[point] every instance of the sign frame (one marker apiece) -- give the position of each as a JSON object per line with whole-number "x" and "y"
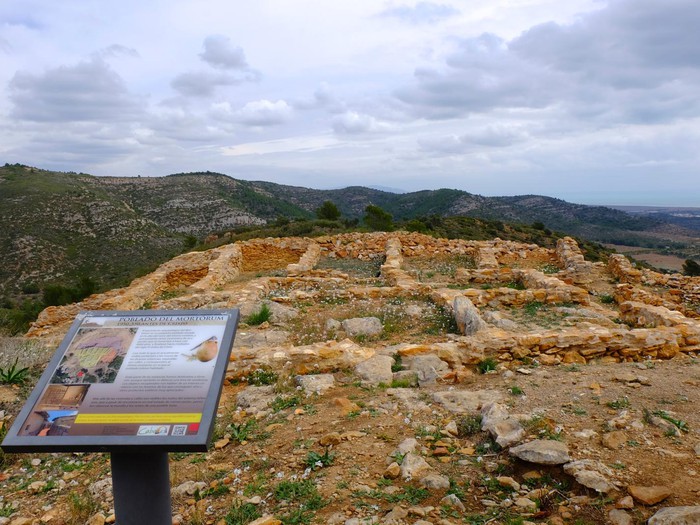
{"x": 198, "y": 442}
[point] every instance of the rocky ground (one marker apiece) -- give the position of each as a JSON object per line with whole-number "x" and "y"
{"x": 400, "y": 379}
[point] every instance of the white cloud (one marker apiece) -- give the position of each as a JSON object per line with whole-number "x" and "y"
{"x": 421, "y": 13}
{"x": 219, "y": 52}
{"x": 256, "y": 113}
{"x": 352, "y": 123}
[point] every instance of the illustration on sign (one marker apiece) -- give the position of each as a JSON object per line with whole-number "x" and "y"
{"x": 131, "y": 375}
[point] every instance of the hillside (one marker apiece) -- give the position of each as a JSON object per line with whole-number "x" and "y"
{"x": 59, "y": 227}
{"x": 402, "y": 379}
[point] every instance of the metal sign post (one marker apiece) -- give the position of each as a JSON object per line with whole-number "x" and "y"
{"x": 141, "y": 487}
{"x": 137, "y": 385}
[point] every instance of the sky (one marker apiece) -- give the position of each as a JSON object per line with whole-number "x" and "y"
{"x": 591, "y": 101}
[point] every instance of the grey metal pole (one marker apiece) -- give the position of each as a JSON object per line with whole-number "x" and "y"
{"x": 141, "y": 486}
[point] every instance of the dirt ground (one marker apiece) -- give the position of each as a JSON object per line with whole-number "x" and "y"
{"x": 262, "y": 458}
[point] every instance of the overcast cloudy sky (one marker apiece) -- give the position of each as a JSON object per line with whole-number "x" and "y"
{"x": 593, "y": 101}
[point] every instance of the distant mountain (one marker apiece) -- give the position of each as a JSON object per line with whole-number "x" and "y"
{"x": 682, "y": 216}
{"x": 59, "y": 227}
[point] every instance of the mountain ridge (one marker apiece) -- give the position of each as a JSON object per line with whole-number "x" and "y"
{"x": 58, "y": 226}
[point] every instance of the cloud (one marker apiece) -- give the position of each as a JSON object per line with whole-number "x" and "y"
{"x": 354, "y": 123}
{"x": 420, "y": 13}
{"x": 323, "y": 98}
{"x": 116, "y": 50}
{"x": 257, "y": 113}
{"x": 634, "y": 61}
{"x": 90, "y": 92}
{"x": 5, "y": 45}
{"x": 220, "y": 53}
{"x": 203, "y": 83}
{"x": 493, "y": 136}
{"x": 481, "y": 75}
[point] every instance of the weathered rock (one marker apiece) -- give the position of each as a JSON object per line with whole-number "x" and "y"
{"x": 406, "y": 446}
{"x": 259, "y": 339}
{"x": 466, "y": 401}
{"x": 393, "y": 471}
{"x": 435, "y": 482}
{"x": 375, "y": 370}
{"x": 256, "y": 398}
{"x": 327, "y": 440}
{"x": 542, "y": 452}
{"x": 451, "y": 500}
{"x": 345, "y": 405}
{"x": 364, "y": 326}
{"x": 396, "y": 516}
{"x": 591, "y": 474}
{"x": 467, "y": 316}
{"x": 505, "y": 429}
{"x": 613, "y": 440}
{"x": 428, "y": 368}
{"x": 649, "y": 495}
{"x": 619, "y": 517}
{"x": 266, "y": 520}
{"x": 409, "y": 377}
{"x": 414, "y": 466}
{"x": 689, "y": 515}
{"x": 188, "y": 488}
{"x": 315, "y": 383}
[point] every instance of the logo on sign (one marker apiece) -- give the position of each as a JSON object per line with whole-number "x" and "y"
{"x": 153, "y": 430}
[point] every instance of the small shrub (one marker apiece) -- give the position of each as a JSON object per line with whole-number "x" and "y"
{"x": 515, "y": 391}
{"x": 241, "y": 432}
{"x": 314, "y": 460}
{"x": 487, "y": 365}
{"x": 260, "y": 316}
{"x": 468, "y": 425}
{"x": 606, "y": 298}
{"x": 242, "y": 514}
{"x": 619, "y": 403}
{"x": 397, "y": 365}
{"x": 81, "y": 507}
{"x": 282, "y": 402}
{"x": 13, "y": 375}
{"x": 262, "y": 377}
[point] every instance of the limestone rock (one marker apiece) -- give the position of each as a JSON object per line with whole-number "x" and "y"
{"x": 649, "y": 495}
{"x": 467, "y": 316}
{"x": 330, "y": 439}
{"x": 189, "y": 488}
{"x": 466, "y": 401}
{"x": 613, "y": 440}
{"x": 256, "y": 398}
{"x": 393, "y": 471}
{"x": 542, "y": 452}
{"x": 414, "y": 466}
{"x": 451, "y": 500}
{"x": 676, "y": 516}
{"x": 619, "y": 517}
{"x": 315, "y": 383}
{"x": 505, "y": 429}
{"x": 428, "y": 368}
{"x": 365, "y": 326}
{"x": 435, "y": 482}
{"x": 591, "y": 474}
{"x": 266, "y": 520}
{"x": 375, "y": 370}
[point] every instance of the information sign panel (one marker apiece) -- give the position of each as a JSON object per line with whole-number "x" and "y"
{"x": 128, "y": 382}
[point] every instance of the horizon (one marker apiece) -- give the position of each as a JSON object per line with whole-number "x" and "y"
{"x": 397, "y": 191}
{"x": 589, "y": 101}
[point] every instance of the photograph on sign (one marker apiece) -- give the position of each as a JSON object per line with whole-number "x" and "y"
{"x": 134, "y": 374}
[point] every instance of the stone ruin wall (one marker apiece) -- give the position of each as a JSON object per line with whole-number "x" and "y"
{"x": 657, "y": 328}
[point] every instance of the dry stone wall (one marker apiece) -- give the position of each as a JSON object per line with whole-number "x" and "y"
{"x": 649, "y": 325}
